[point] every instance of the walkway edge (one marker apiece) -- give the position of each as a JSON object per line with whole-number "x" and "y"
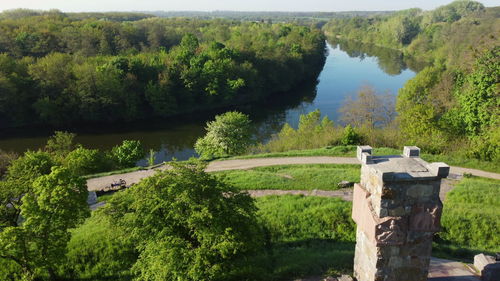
{"x": 100, "y": 183}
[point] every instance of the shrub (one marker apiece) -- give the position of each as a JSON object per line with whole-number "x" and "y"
{"x": 229, "y": 134}
{"x": 312, "y": 132}
{"x": 350, "y": 136}
{"x": 5, "y": 159}
{"x": 60, "y": 144}
{"x": 82, "y": 161}
{"x": 128, "y": 153}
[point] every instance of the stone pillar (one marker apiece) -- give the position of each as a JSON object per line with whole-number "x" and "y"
{"x": 397, "y": 210}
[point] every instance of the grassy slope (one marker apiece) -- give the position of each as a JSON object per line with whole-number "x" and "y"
{"x": 315, "y": 236}
{"x": 350, "y": 151}
{"x": 471, "y": 220}
{"x": 310, "y": 235}
{"x": 290, "y": 177}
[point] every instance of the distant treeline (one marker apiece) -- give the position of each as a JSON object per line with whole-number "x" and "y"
{"x": 454, "y": 103}
{"x": 56, "y": 69}
{"x": 112, "y": 16}
{"x": 271, "y": 16}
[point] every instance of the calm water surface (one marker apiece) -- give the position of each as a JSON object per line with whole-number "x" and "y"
{"x": 349, "y": 66}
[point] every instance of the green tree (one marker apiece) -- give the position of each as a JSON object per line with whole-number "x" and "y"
{"x": 187, "y": 225}
{"x": 37, "y": 244}
{"x": 54, "y": 75}
{"x": 128, "y": 153}
{"x": 30, "y": 166}
{"x": 60, "y": 144}
{"x": 151, "y": 157}
{"x": 82, "y": 161}
{"x": 229, "y": 134}
{"x": 350, "y": 136}
{"x": 5, "y": 159}
{"x": 368, "y": 109}
{"x": 480, "y": 100}
{"x": 18, "y": 181}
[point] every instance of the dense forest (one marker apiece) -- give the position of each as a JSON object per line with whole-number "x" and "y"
{"x": 60, "y": 69}
{"x": 297, "y": 17}
{"x": 453, "y": 104}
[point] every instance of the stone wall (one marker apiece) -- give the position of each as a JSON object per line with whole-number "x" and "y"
{"x": 397, "y": 211}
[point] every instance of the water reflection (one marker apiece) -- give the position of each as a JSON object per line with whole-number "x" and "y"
{"x": 349, "y": 65}
{"x": 391, "y": 61}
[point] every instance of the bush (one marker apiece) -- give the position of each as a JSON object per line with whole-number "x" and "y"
{"x": 5, "y": 159}
{"x": 60, "y": 144}
{"x": 350, "y": 136}
{"x": 128, "y": 153}
{"x": 82, "y": 161}
{"x": 229, "y": 134}
{"x": 312, "y": 132}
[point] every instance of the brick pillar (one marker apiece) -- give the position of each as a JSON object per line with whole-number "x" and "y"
{"x": 397, "y": 210}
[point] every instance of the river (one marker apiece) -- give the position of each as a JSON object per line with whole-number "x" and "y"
{"x": 348, "y": 66}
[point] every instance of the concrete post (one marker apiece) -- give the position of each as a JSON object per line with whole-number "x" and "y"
{"x": 397, "y": 210}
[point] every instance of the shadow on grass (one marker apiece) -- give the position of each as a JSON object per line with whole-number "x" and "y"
{"x": 290, "y": 260}
{"x": 443, "y": 250}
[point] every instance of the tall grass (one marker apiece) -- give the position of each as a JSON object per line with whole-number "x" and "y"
{"x": 471, "y": 219}
{"x": 350, "y": 151}
{"x": 314, "y": 133}
{"x": 309, "y": 235}
{"x": 293, "y": 218}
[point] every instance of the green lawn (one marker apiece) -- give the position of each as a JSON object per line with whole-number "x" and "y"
{"x": 292, "y": 177}
{"x": 350, "y": 151}
{"x": 310, "y": 236}
{"x": 315, "y": 236}
{"x": 471, "y": 220}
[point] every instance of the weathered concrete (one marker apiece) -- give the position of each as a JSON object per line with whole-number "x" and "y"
{"x": 446, "y": 270}
{"x": 92, "y": 198}
{"x": 488, "y": 267}
{"x": 397, "y": 210}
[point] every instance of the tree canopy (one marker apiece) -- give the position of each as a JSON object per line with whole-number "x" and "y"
{"x": 61, "y": 70}
{"x": 229, "y": 134}
{"x": 187, "y": 225}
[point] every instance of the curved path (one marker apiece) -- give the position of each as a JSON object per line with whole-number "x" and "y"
{"x": 101, "y": 183}
{"x": 440, "y": 270}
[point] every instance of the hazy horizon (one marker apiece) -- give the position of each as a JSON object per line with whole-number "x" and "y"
{"x": 225, "y": 5}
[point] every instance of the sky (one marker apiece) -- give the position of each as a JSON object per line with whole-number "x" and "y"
{"x": 232, "y": 5}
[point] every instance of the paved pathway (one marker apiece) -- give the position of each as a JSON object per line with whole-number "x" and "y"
{"x": 102, "y": 183}
{"x": 446, "y": 270}
{"x": 345, "y": 193}
{"x": 440, "y": 270}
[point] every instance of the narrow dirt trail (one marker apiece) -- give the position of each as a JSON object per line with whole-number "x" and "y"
{"x": 98, "y": 184}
